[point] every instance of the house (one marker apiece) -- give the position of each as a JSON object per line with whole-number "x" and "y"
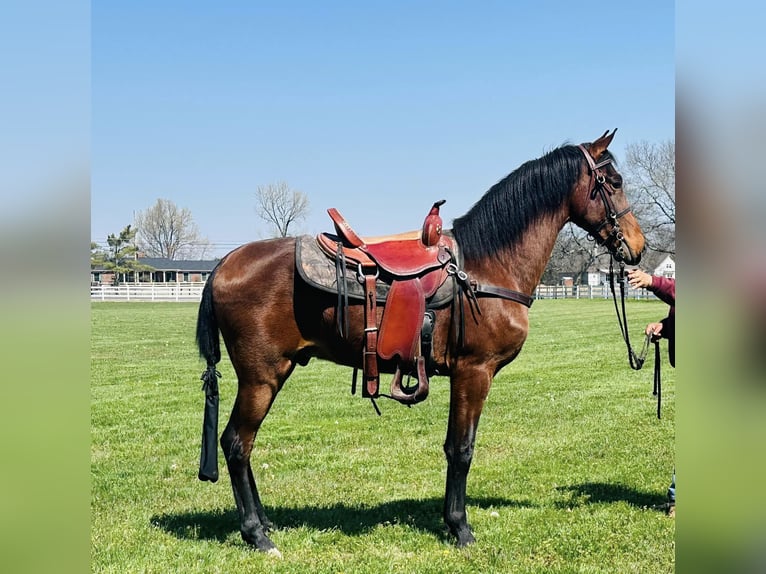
{"x": 665, "y": 268}
{"x": 597, "y": 275}
{"x": 654, "y": 263}
{"x": 162, "y": 271}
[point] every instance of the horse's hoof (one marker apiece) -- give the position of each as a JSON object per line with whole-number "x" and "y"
{"x": 258, "y": 540}
{"x": 465, "y": 538}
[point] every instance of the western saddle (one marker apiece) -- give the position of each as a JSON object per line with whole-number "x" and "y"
{"x": 415, "y": 264}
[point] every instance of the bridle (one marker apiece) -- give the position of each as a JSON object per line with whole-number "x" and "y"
{"x": 599, "y": 185}
{"x": 615, "y": 242}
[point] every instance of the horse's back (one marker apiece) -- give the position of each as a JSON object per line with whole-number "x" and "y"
{"x": 246, "y": 269}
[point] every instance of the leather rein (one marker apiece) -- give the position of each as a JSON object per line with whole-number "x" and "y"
{"x": 636, "y": 360}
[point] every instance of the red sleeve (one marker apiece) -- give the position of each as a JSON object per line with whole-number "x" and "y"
{"x": 664, "y": 288}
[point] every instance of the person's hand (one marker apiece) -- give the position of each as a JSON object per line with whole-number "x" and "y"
{"x": 655, "y": 330}
{"x": 639, "y": 279}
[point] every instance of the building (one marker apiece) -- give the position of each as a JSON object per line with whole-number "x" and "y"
{"x": 665, "y": 268}
{"x": 162, "y": 271}
{"x": 653, "y": 263}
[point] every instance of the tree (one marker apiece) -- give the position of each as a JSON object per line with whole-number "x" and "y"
{"x": 573, "y": 253}
{"x": 120, "y": 255}
{"x": 165, "y": 230}
{"x": 280, "y": 206}
{"x": 650, "y": 177}
{"x": 97, "y": 255}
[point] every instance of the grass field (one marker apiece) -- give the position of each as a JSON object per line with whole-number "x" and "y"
{"x": 569, "y": 458}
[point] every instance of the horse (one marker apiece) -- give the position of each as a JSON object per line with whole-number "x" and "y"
{"x": 271, "y": 321}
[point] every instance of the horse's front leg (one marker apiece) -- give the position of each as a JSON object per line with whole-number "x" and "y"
{"x": 469, "y": 388}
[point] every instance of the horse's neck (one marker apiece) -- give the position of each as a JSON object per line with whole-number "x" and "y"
{"x": 521, "y": 266}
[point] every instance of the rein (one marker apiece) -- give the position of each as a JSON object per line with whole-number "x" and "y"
{"x": 636, "y": 360}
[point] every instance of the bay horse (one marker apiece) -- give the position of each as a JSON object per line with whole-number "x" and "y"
{"x": 272, "y": 321}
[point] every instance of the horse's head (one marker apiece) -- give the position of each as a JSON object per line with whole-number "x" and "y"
{"x": 600, "y": 207}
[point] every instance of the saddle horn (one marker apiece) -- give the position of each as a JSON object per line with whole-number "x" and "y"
{"x": 432, "y": 226}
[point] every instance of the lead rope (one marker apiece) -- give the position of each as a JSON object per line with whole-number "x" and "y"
{"x": 657, "y": 377}
{"x": 636, "y": 360}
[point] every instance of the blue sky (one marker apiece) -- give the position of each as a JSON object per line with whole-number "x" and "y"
{"x": 375, "y": 108}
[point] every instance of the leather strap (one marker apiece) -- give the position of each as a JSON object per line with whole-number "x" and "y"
{"x": 657, "y": 392}
{"x": 370, "y": 359}
{"x": 589, "y": 158}
{"x": 503, "y": 293}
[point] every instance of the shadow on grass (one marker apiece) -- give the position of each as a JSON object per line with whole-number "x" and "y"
{"x": 599, "y": 492}
{"x": 424, "y": 515}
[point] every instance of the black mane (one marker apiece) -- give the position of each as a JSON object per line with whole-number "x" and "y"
{"x": 534, "y": 189}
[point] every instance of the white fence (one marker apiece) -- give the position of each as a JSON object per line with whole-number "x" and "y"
{"x": 147, "y": 292}
{"x": 193, "y": 292}
{"x": 588, "y": 292}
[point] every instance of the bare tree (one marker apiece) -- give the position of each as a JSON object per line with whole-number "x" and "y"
{"x": 280, "y": 206}
{"x": 650, "y": 178}
{"x": 573, "y": 253}
{"x": 165, "y": 230}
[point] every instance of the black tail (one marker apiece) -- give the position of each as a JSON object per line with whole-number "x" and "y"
{"x": 209, "y": 345}
{"x": 208, "y": 341}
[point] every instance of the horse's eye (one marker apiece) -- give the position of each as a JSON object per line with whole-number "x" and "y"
{"x": 617, "y": 181}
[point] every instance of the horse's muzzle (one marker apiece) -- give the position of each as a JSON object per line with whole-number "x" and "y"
{"x": 624, "y": 253}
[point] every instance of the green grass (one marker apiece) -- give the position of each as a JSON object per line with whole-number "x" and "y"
{"x": 569, "y": 458}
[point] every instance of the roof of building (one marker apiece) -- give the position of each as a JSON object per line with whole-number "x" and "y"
{"x": 164, "y": 264}
{"x": 183, "y": 265}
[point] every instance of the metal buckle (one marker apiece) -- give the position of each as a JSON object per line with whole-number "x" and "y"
{"x": 360, "y": 274}
{"x": 453, "y": 269}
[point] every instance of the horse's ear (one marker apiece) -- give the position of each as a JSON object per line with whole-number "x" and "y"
{"x": 599, "y": 146}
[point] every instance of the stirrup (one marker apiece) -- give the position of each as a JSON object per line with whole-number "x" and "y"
{"x": 413, "y": 394}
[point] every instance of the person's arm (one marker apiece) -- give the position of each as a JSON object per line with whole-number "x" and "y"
{"x": 665, "y": 289}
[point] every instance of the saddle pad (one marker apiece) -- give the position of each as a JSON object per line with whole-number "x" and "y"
{"x": 318, "y": 270}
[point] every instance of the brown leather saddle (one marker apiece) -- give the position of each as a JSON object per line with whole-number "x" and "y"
{"x": 415, "y": 264}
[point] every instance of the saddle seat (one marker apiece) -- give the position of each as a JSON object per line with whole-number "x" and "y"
{"x": 415, "y": 264}
{"x": 400, "y": 255}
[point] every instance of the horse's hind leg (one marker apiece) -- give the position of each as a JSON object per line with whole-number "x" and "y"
{"x": 265, "y": 522}
{"x": 250, "y": 408}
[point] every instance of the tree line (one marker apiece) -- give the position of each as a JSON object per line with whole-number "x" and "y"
{"x": 168, "y": 231}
